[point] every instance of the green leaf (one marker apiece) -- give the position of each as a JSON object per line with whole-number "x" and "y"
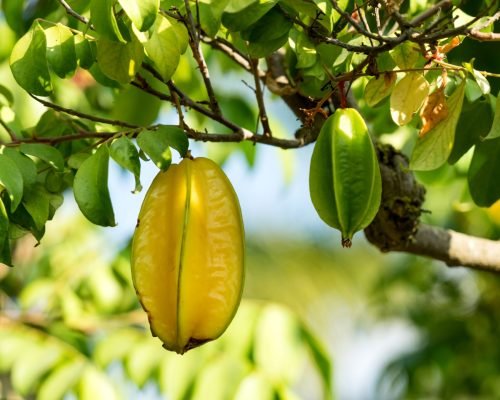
{"x": 51, "y": 124}
{"x": 473, "y": 125}
{"x": 177, "y": 375}
{"x": 241, "y": 14}
{"x": 84, "y": 51}
{"x": 483, "y": 173}
{"x": 120, "y": 61}
{"x": 407, "y": 97}
{"x": 91, "y": 189}
{"x": 273, "y": 25}
{"x": 175, "y": 137}
{"x": 136, "y": 107}
{"x": 255, "y": 386}
{"x": 36, "y": 201}
{"x": 11, "y": 346}
{"x": 142, "y": 13}
{"x": 28, "y": 62}
{"x": 123, "y": 151}
{"x": 156, "y": 144}
{"x": 44, "y": 152}
{"x": 210, "y": 13}
{"x": 321, "y": 360}
{"x": 6, "y": 97}
{"x": 4, "y": 236}
{"x": 25, "y": 165}
{"x": 168, "y": 41}
{"x": 263, "y": 49}
{"x": 61, "y": 53}
{"x": 483, "y": 83}
{"x": 61, "y": 380}
{"x": 13, "y": 13}
{"x": 31, "y": 365}
{"x": 432, "y": 150}
{"x": 405, "y": 55}
{"x": 378, "y": 88}
{"x": 77, "y": 159}
{"x": 472, "y": 90}
{"x": 304, "y": 49}
{"x": 95, "y": 385}
{"x": 143, "y": 360}
{"x": 495, "y": 128}
{"x": 103, "y": 18}
{"x": 156, "y": 148}
{"x": 221, "y": 377}
{"x": 279, "y": 355}
{"x": 115, "y": 346}
{"x": 99, "y": 76}
{"x": 11, "y": 179}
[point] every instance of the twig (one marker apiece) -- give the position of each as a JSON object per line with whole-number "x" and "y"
{"x": 232, "y": 52}
{"x": 259, "y": 95}
{"x": 194, "y": 43}
{"x": 245, "y": 134}
{"x": 83, "y": 115}
{"x": 358, "y": 27}
{"x": 73, "y": 13}
{"x": 475, "y": 33}
{"x": 9, "y": 131}
{"x": 175, "y": 100}
{"x": 65, "y": 138}
{"x": 419, "y": 19}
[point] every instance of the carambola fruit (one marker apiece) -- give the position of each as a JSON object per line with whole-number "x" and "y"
{"x": 344, "y": 177}
{"x": 188, "y": 254}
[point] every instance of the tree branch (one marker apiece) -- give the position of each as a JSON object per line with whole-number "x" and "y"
{"x": 454, "y": 248}
{"x": 194, "y": 42}
{"x": 396, "y": 227}
{"x": 425, "y": 15}
{"x": 259, "y": 95}
{"x": 11, "y": 133}
{"x": 73, "y": 13}
{"x": 79, "y": 114}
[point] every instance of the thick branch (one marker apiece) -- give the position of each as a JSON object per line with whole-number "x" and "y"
{"x": 397, "y": 227}
{"x": 454, "y": 248}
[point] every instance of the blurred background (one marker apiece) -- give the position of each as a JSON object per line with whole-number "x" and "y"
{"x": 316, "y": 321}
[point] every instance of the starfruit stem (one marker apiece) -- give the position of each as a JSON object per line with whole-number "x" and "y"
{"x": 346, "y": 242}
{"x": 189, "y": 155}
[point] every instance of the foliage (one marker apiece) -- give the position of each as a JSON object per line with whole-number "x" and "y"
{"x": 72, "y": 324}
{"x": 107, "y": 67}
{"x": 87, "y": 82}
{"x": 457, "y": 317}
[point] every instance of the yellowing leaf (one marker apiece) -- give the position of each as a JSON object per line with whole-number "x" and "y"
{"x": 433, "y": 111}
{"x": 378, "y": 88}
{"x": 405, "y": 55}
{"x": 432, "y": 150}
{"x": 407, "y": 97}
